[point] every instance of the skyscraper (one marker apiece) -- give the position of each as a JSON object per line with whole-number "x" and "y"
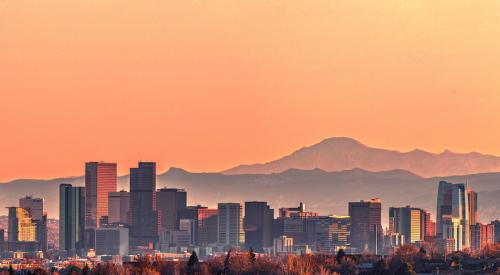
{"x": 100, "y": 179}
{"x": 453, "y": 213}
{"x": 230, "y": 224}
{"x": 143, "y": 214}
{"x": 71, "y": 219}
{"x": 258, "y": 225}
{"x": 366, "y": 227}
{"x": 169, "y": 201}
{"x": 118, "y": 207}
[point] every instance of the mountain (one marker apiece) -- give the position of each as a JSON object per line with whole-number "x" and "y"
{"x": 342, "y": 153}
{"x": 321, "y": 191}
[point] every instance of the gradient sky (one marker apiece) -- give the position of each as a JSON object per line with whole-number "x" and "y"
{"x": 206, "y": 85}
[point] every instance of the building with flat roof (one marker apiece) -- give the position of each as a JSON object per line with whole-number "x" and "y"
{"x": 100, "y": 179}
{"x": 366, "y": 226}
{"x": 230, "y": 224}
{"x": 112, "y": 240}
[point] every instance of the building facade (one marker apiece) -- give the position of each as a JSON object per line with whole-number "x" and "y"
{"x": 258, "y": 225}
{"x": 71, "y": 219}
{"x": 366, "y": 226}
{"x": 169, "y": 202}
{"x": 118, "y": 207}
{"x": 230, "y": 224}
{"x": 143, "y": 214}
{"x": 100, "y": 179}
{"x": 112, "y": 240}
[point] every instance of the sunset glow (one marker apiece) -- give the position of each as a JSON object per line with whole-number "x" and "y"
{"x": 207, "y": 85}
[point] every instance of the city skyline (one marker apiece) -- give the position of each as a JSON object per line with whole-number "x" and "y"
{"x": 209, "y": 80}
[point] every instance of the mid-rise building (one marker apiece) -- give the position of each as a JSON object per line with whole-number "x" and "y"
{"x": 282, "y": 245}
{"x": 332, "y": 233}
{"x": 21, "y": 226}
{"x": 258, "y": 225}
{"x": 206, "y": 223}
{"x": 481, "y": 236}
{"x": 112, "y": 240}
{"x": 366, "y": 226}
{"x": 100, "y": 179}
{"x": 169, "y": 202}
{"x": 296, "y": 223}
{"x": 408, "y": 222}
{"x": 118, "y": 207}
{"x": 496, "y": 231}
{"x": 230, "y": 224}
{"x": 3, "y": 245}
{"x": 143, "y": 214}
{"x": 71, "y": 219}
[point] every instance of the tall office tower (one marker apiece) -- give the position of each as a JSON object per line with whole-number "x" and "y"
{"x": 118, "y": 207}
{"x": 453, "y": 207}
{"x": 230, "y": 224}
{"x": 258, "y": 225}
{"x": 33, "y": 205}
{"x": 143, "y": 214}
{"x": 169, "y": 201}
{"x": 100, "y": 179}
{"x": 21, "y": 226}
{"x": 366, "y": 226}
{"x": 472, "y": 196}
{"x": 71, "y": 219}
{"x": 407, "y": 221}
{"x": 332, "y": 233}
{"x": 481, "y": 235}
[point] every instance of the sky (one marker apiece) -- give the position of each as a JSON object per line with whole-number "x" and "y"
{"x": 207, "y": 85}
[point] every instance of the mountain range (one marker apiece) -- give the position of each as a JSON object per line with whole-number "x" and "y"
{"x": 342, "y": 153}
{"x": 324, "y": 188}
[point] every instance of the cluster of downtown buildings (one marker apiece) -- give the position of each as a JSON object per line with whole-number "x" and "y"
{"x": 98, "y": 220}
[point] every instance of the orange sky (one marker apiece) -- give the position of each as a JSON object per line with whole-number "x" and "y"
{"x": 206, "y": 85}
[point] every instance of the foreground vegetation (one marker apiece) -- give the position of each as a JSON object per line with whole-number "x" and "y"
{"x": 407, "y": 260}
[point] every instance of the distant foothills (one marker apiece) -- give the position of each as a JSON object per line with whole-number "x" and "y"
{"x": 325, "y": 176}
